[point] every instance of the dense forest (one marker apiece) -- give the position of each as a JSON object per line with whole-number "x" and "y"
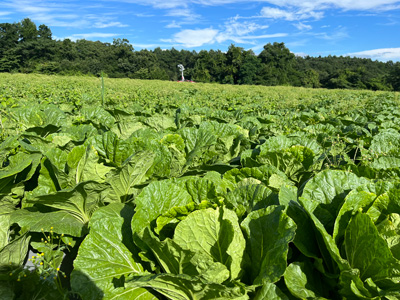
{"x": 26, "y": 48}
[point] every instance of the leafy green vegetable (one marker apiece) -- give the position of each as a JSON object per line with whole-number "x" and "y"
{"x": 268, "y": 233}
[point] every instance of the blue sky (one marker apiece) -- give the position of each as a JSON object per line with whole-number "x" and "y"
{"x": 364, "y": 28}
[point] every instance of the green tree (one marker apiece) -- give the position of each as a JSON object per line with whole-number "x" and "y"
{"x": 249, "y": 68}
{"x": 394, "y": 76}
{"x": 234, "y": 61}
{"x": 28, "y": 30}
{"x": 44, "y": 32}
{"x": 278, "y": 65}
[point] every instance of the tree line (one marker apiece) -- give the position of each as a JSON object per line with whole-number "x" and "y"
{"x": 26, "y": 48}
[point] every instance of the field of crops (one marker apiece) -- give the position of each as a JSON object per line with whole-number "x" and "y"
{"x": 186, "y": 191}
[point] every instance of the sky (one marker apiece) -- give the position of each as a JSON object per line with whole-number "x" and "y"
{"x": 362, "y": 28}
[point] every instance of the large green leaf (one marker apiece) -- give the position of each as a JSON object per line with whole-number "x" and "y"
{"x": 247, "y": 198}
{"x": 53, "y": 176}
{"x": 304, "y": 282}
{"x": 8, "y": 174}
{"x": 297, "y": 161}
{"x": 83, "y": 163}
{"x": 389, "y": 229}
{"x": 155, "y": 199}
{"x": 271, "y": 292}
{"x": 15, "y": 252}
{"x": 197, "y": 142}
{"x": 328, "y": 189}
{"x": 98, "y": 116}
{"x": 386, "y": 142}
{"x": 174, "y": 259}
{"x": 354, "y": 201}
{"x": 332, "y": 259}
{"x": 103, "y": 257}
{"x": 133, "y": 172}
{"x": 80, "y": 202}
{"x": 4, "y": 229}
{"x": 112, "y": 148}
{"x": 215, "y": 233}
{"x": 367, "y": 251}
{"x": 268, "y": 233}
{"x": 183, "y": 287}
{"x": 199, "y": 188}
{"x": 266, "y": 174}
{"x": 61, "y": 221}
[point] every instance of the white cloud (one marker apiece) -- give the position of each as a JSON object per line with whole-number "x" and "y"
{"x": 290, "y": 15}
{"x": 342, "y": 4}
{"x": 4, "y": 13}
{"x": 384, "y": 54}
{"x": 339, "y": 33}
{"x": 195, "y": 38}
{"x": 302, "y": 27}
{"x": 276, "y": 13}
{"x": 232, "y": 30}
{"x": 109, "y": 24}
{"x": 173, "y": 24}
{"x": 92, "y": 35}
{"x": 235, "y": 28}
{"x": 307, "y": 5}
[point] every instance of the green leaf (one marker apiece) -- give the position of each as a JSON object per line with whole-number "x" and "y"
{"x": 167, "y": 222}
{"x": 4, "y": 229}
{"x": 266, "y": 174}
{"x": 304, "y": 282}
{"x": 61, "y": 221}
{"x": 176, "y": 260}
{"x": 354, "y": 201}
{"x": 367, "y": 251}
{"x": 332, "y": 259}
{"x": 161, "y": 122}
{"x": 53, "y": 176}
{"x": 389, "y": 229}
{"x": 182, "y": 287}
{"x": 328, "y": 190}
{"x": 250, "y": 197}
{"x": 15, "y": 252}
{"x": 8, "y": 174}
{"x": 386, "y": 142}
{"x": 112, "y": 148}
{"x": 271, "y": 292}
{"x": 287, "y": 194}
{"x": 155, "y": 199}
{"x": 129, "y": 293}
{"x": 80, "y": 202}
{"x": 268, "y": 233}
{"x": 385, "y": 204}
{"x": 199, "y": 188}
{"x": 133, "y": 172}
{"x": 98, "y": 116}
{"x": 215, "y": 233}
{"x": 89, "y": 168}
{"x": 103, "y": 257}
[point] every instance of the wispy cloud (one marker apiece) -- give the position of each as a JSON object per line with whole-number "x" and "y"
{"x": 290, "y": 15}
{"x": 232, "y": 30}
{"x": 310, "y": 5}
{"x": 195, "y": 38}
{"x": 339, "y": 33}
{"x": 92, "y": 35}
{"x": 302, "y": 27}
{"x": 62, "y": 13}
{"x": 109, "y": 24}
{"x": 305, "y": 5}
{"x": 4, "y": 13}
{"x": 173, "y": 24}
{"x": 384, "y": 54}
